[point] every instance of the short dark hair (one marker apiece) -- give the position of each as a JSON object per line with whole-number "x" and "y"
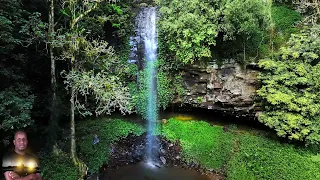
{"x": 17, "y": 131}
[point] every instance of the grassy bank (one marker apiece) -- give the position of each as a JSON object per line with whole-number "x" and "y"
{"x": 201, "y": 143}
{"x": 58, "y": 166}
{"x": 108, "y": 131}
{"x": 261, "y": 158}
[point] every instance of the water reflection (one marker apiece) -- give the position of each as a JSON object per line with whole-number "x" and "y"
{"x": 146, "y": 171}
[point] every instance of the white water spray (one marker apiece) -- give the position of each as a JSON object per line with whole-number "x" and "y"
{"x": 147, "y": 37}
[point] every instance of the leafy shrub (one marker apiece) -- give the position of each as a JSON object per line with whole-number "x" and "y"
{"x": 285, "y": 19}
{"x": 16, "y": 104}
{"x": 60, "y": 166}
{"x": 290, "y": 88}
{"x": 232, "y": 127}
{"x": 202, "y": 143}
{"x": 262, "y": 158}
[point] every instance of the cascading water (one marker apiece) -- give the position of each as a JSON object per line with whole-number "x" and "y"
{"x": 144, "y": 51}
{"x": 144, "y": 54}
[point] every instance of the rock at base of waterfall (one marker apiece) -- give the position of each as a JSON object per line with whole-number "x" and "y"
{"x": 162, "y": 151}
{"x": 163, "y": 160}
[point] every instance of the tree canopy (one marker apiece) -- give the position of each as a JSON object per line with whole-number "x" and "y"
{"x": 16, "y": 98}
{"x": 190, "y": 29}
{"x": 290, "y": 88}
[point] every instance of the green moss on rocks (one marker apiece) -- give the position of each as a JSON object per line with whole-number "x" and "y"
{"x": 201, "y": 142}
{"x": 108, "y": 131}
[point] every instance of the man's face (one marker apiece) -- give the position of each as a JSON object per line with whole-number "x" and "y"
{"x": 20, "y": 141}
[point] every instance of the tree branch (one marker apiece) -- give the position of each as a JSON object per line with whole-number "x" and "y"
{"x": 76, "y": 20}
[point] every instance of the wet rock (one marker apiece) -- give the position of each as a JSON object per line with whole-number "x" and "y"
{"x": 162, "y": 151}
{"x": 164, "y": 121}
{"x": 93, "y": 177}
{"x": 225, "y": 128}
{"x": 163, "y": 160}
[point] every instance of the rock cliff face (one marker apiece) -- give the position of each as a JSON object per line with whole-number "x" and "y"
{"x": 228, "y": 88}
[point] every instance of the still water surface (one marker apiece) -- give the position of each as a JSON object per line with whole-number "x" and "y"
{"x": 143, "y": 171}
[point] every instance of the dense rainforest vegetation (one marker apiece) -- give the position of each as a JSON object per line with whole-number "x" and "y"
{"x": 66, "y": 60}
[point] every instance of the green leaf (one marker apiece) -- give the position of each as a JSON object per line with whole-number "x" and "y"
{"x": 66, "y": 12}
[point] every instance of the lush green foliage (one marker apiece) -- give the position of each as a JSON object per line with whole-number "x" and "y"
{"x": 96, "y": 69}
{"x": 190, "y": 28}
{"x": 202, "y": 143}
{"x": 109, "y": 21}
{"x": 244, "y": 18}
{"x": 261, "y": 158}
{"x": 58, "y": 166}
{"x": 15, "y": 108}
{"x": 11, "y": 16}
{"x": 190, "y": 31}
{"x": 108, "y": 91}
{"x": 108, "y": 132}
{"x": 284, "y": 20}
{"x": 16, "y": 98}
{"x": 290, "y": 89}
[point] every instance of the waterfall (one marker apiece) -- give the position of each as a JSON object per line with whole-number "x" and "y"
{"x": 144, "y": 52}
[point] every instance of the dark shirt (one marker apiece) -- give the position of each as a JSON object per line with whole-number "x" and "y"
{"x": 23, "y": 165}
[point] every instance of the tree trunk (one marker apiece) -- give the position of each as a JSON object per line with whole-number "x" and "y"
{"x": 53, "y": 124}
{"x": 72, "y": 123}
{"x": 73, "y": 24}
{"x": 72, "y": 128}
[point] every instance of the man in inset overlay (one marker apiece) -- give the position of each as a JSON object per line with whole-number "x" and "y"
{"x": 18, "y": 164}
